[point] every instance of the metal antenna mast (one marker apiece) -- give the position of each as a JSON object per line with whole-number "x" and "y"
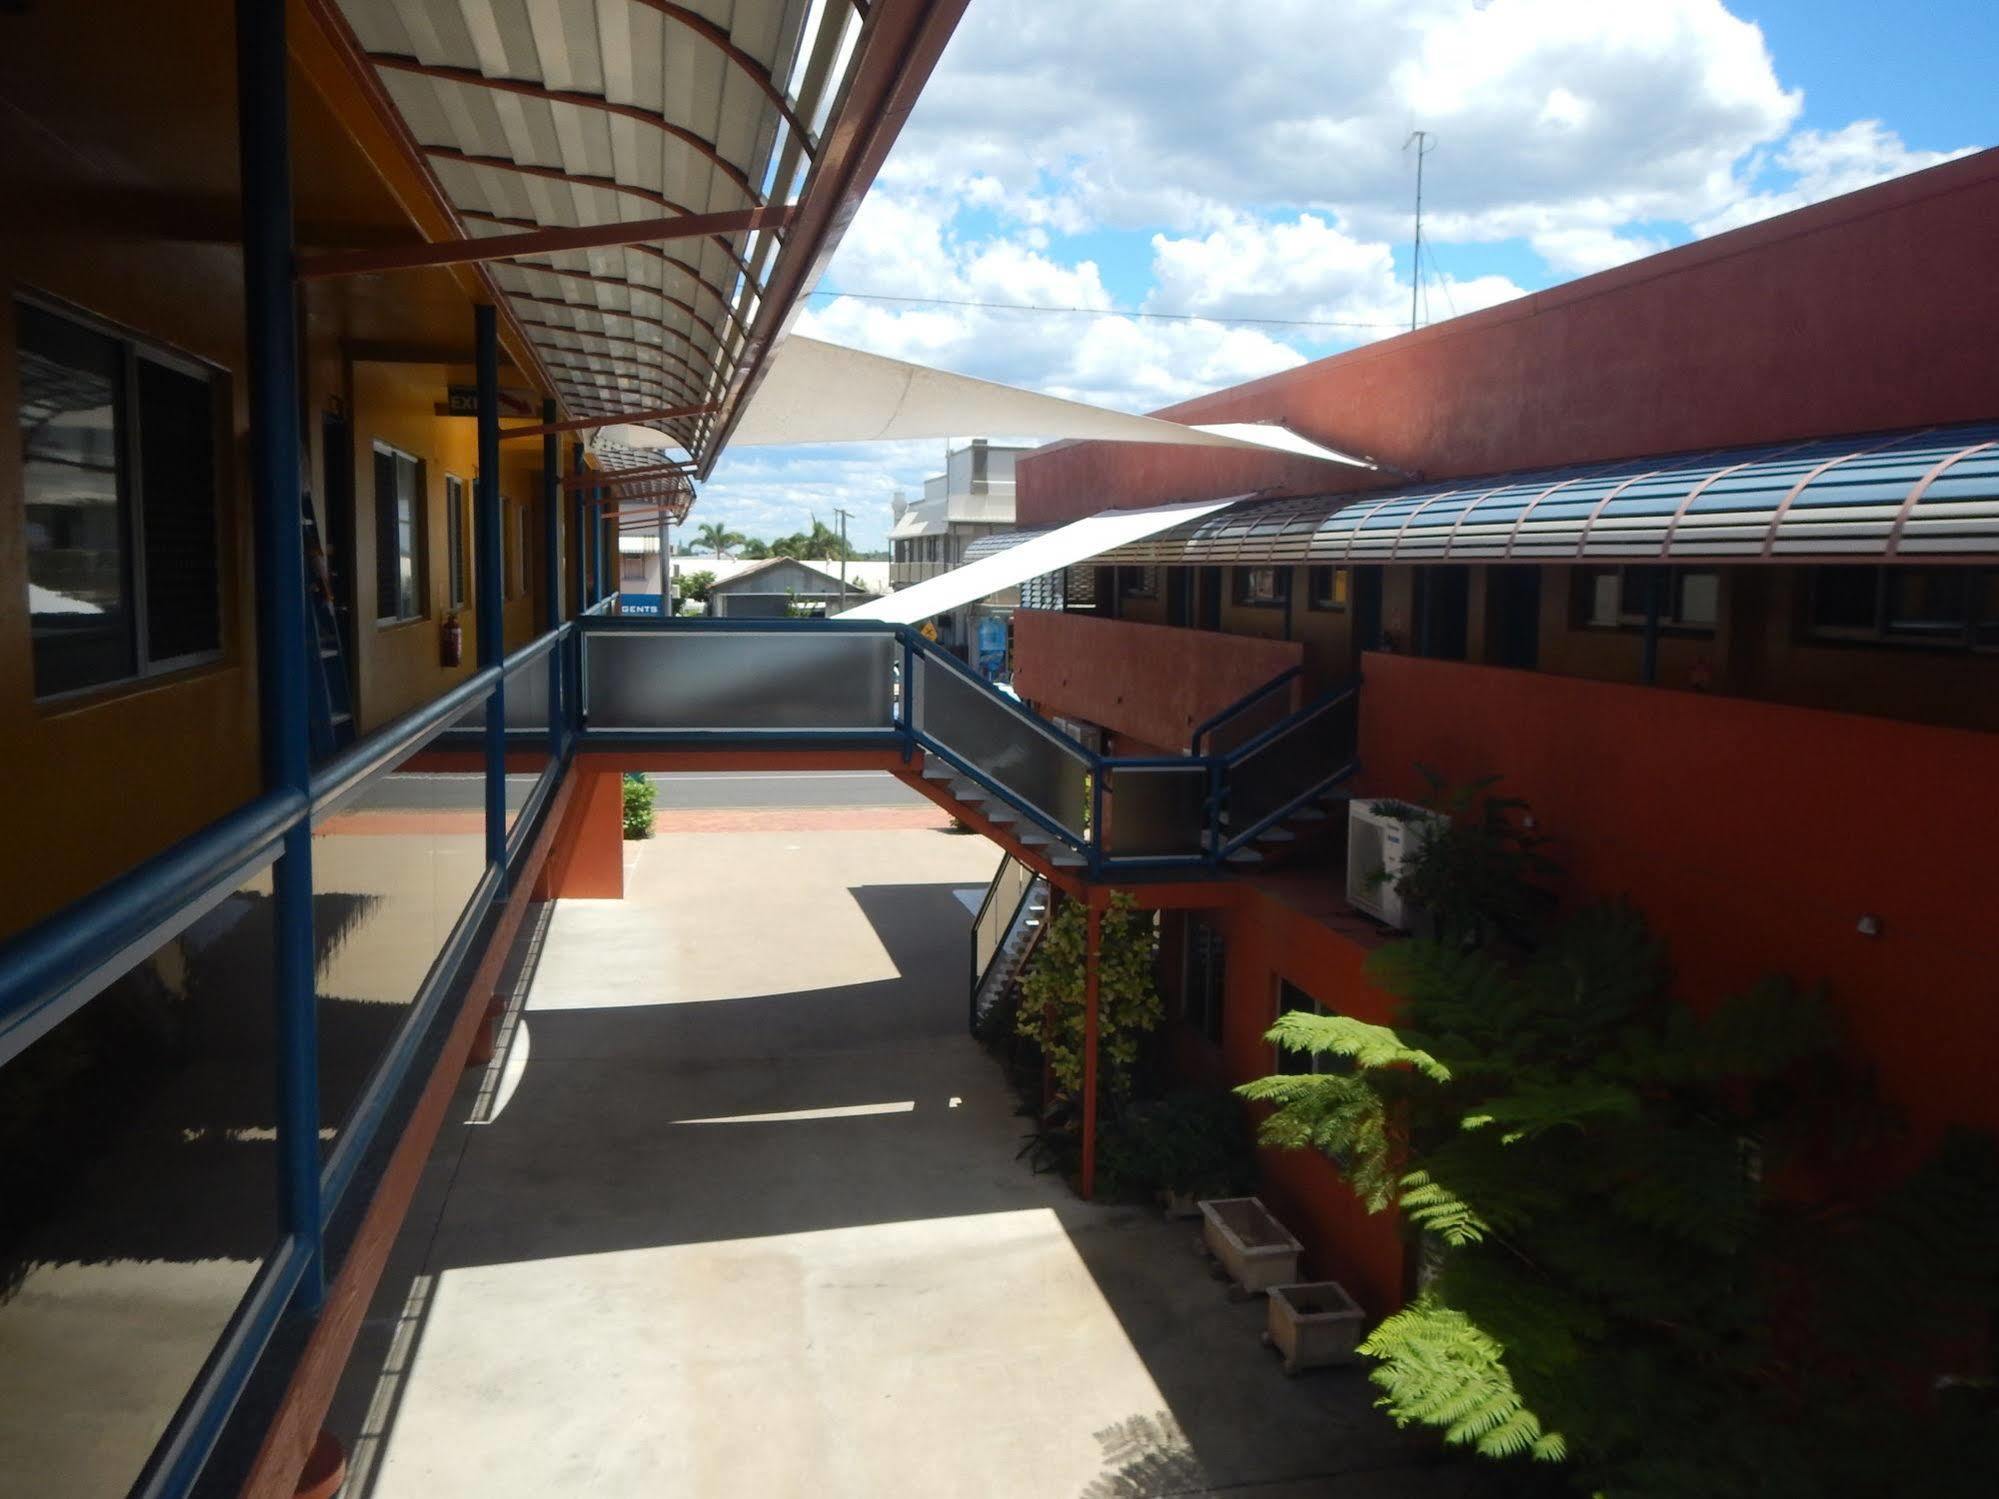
{"x": 1420, "y": 139}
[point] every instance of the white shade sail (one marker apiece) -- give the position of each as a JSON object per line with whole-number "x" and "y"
{"x": 1048, "y": 552}
{"x": 821, "y": 392}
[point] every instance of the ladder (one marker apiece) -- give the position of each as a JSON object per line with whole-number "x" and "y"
{"x": 331, "y": 706}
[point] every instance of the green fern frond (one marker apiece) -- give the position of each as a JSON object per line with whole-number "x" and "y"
{"x": 1534, "y": 1111}
{"x": 1370, "y": 1046}
{"x": 1439, "y": 1369}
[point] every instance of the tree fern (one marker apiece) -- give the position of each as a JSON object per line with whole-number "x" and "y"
{"x": 1438, "y": 1368}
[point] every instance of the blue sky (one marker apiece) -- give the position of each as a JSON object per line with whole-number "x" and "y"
{"x": 1247, "y": 166}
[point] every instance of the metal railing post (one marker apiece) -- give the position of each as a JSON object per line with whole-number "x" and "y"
{"x": 271, "y": 328}
{"x": 551, "y": 570}
{"x": 486, "y": 538}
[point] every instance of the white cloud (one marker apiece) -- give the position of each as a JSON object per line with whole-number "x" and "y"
{"x": 1826, "y": 164}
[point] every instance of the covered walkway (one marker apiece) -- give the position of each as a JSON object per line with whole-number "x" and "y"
{"x": 737, "y": 1212}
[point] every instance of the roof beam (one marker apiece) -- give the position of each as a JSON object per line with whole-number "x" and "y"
{"x": 599, "y": 478}
{"x": 757, "y": 73}
{"x": 610, "y": 419}
{"x": 581, "y": 179}
{"x": 479, "y": 250}
{"x": 599, "y": 278}
{"x": 472, "y": 78}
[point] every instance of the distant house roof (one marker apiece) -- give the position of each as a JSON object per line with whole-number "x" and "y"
{"x": 822, "y": 577}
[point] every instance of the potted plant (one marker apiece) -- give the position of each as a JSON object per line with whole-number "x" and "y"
{"x": 1250, "y": 1247}
{"x": 1313, "y": 1324}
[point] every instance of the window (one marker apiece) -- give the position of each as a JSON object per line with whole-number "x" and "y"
{"x": 517, "y": 548}
{"x": 457, "y": 559}
{"x": 1613, "y": 598}
{"x": 1138, "y": 582}
{"x": 119, "y": 484}
{"x": 1950, "y": 607}
{"x": 1328, "y": 588}
{"x": 1304, "y": 1063}
{"x": 1263, "y": 587}
{"x": 1206, "y": 979}
{"x": 399, "y": 573}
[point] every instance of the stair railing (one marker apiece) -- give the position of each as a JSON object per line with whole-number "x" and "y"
{"x": 1237, "y": 723}
{"x": 1012, "y": 884}
{"x": 1289, "y": 765}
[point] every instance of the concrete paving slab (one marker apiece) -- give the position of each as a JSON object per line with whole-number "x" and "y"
{"x": 746, "y": 1218}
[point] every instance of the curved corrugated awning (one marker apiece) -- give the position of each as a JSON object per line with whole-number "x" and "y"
{"x": 1931, "y": 495}
{"x": 759, "y": 122}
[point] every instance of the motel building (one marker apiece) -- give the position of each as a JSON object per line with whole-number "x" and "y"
{"x": 345, "y": 338}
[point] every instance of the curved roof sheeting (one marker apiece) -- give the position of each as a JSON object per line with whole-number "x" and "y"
{"x": 1932, "y": 494}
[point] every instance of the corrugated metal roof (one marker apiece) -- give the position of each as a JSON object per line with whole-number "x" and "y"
{"x": 534, "y": 114}
{"x": 1931, "y": 495}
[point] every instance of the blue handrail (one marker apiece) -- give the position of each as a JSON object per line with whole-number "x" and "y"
{"x": 1242, "y": 704}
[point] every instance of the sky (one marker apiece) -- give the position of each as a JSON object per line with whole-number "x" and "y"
{"x": 1243, "y": 172}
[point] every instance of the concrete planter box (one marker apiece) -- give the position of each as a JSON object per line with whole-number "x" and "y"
{"x": 1251, "y": 1248}
{"x": 1313, "y": 1324}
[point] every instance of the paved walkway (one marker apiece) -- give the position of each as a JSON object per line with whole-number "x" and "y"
{"x": 738, "y": 1213}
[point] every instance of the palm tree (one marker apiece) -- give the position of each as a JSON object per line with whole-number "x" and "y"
{"x": 718, "y": 539}
{"x": 796, "y": 546}
{"x": 754, "y": 550}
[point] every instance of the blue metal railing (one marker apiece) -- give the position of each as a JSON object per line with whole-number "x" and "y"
{"x": 1256, "y": 695}
{"x": 52, "y": 970}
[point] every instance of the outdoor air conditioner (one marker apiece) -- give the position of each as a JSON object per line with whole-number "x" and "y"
{"x": 1379, "y": 849}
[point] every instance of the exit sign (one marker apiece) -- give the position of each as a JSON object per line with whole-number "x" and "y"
{"x": 463, "y": 400}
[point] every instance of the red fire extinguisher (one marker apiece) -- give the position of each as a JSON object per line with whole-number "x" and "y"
{"x": 451, "y": 641}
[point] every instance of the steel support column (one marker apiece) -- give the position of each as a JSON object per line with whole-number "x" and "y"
{"x": 551, "y": 567}
{"x": 271, "y": 339}
{"x": 487, "y": 582}
{"x": 1655, "y": 601}
{"x": 1093, "y": 926}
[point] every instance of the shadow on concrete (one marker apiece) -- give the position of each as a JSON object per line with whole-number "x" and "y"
{"x": 647, "y": 1126}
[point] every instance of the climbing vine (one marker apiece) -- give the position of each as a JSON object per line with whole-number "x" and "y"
{"x": 1052, "y": 991}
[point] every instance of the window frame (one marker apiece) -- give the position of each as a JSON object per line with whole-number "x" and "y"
{"x": 419, "y": 538}
{"x": 1203, "y": 991}
{"x": 1671, "y": 620}
{"x": 1296, "y": 1063}
{"x": 1337, "y": 601}
{"x": 133, "y": 348}
{"x": 515, "y": 571}
{"x": 1881, "y": 633}
{"x": 1244, "y": 596}
{"x": 1137, "y": 581}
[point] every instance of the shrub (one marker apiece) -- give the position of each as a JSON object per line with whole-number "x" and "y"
{"x": 1195, "y": 1144}
{"x": 639, "y": 796}
{"x": 1127, "y": 1000}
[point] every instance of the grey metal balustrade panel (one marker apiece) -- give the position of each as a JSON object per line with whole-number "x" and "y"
{"x": 1155, "y": 812}
{"x": 1308, "y": 754}
{"x": 527, "y": 695}
{"x": 749, "y": 681}
{"x": 1044, "y": 771}
{"x": 1238, "y": 729}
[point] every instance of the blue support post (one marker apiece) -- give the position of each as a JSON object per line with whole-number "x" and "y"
{"x": 1655, "y": 598}
{"x": 271, "y": 336}
{"x": 487, "y": 580}
{"x": 597, "y": 544}
{"x": 551, "y": 570}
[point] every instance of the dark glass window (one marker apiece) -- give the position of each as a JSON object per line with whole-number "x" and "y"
{"x": 1304, "y": 1063}
{"x": 1137, "y": 582}
{"x": 398, "y": 535}
{"x": 1955, "y": 607}
{"x": 1621, "y": 597}
{"x": 1264, "y": 587}
{"x": 1207, "y": 979}
{"x": 1329, "y": 587}
{"x": 119, "y": 491}
{"x": 455, "y": 556}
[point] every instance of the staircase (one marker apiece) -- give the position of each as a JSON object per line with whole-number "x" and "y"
{"x": 1004, "y": 933}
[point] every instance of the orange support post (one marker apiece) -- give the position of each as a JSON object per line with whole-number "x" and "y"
{"x": 1093, "y": 927}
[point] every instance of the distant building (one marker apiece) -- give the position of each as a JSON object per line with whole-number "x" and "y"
{"x": 973, "y": 497}
{"x": 817, "y": 583}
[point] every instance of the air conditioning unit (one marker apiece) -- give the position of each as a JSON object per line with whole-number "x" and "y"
{"x": 1380, "y": 848}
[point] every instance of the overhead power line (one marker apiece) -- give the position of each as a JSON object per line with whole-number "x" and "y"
{"x": 1166, "y": 317}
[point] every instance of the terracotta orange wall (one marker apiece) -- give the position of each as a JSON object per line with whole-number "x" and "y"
{"x": 1754, "y": 836}
{"x": 1271, "y": 936}
{"x": 1868, "y": 312}
{"x": 1149, "y": 683}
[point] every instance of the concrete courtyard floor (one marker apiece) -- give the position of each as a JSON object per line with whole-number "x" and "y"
{"x": 737, "y": 1212}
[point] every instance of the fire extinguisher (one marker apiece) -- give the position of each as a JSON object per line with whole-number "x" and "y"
{"x": 451, "y": 641}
